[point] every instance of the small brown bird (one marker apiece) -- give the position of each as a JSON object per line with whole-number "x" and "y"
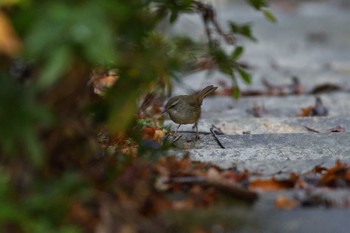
{"x": 186, "y": 109}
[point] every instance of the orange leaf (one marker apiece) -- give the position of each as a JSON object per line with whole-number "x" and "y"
{"x": 319, "y": 169}
{"x": 153, "y": 134}
{"x": 101, "y": 80}
{"x": 339, "y": 171}
{"x": 304, "y": 112}
{"x": 283, "y": 202}
{"x": 271, "y": 185}
{"x": 10, "y": 44}
{"x": 158, "y": 135}
{"x": 148, "y": 133}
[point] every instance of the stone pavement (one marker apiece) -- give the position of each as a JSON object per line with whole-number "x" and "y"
{"x": 311, "y": 42}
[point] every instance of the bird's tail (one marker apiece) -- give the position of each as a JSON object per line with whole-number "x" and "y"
{"x": 206, "y": 91}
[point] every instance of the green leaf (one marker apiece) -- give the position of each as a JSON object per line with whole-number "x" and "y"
{"x": 34, "y": 148}
{"x": 173, "y": 17}
{"x": 236, "y": 93}
{"x": 122, "y": 104}
{"x": 223, "y": 61}
{"x": 243, "y": 29}
{"x": 237, "y": 53}
{"x": 121, "y": 115}
{"x": 9, "y": 2}
{"x": 258, "y": 4}
{"x": 56, "y": 65}
{"x": 235, "y": 88}
{"x": 269, "y": 16}
{"x": 226, "y": 70}
{"x": 244, "y": 75}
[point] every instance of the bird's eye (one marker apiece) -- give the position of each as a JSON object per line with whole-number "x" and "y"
{"x": 174, "y": 104}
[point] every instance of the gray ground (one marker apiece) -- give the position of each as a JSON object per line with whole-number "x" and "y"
{"x": 312, "y": 42}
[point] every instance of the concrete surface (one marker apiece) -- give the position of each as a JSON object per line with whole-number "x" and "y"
{"x": 311, "y": 42}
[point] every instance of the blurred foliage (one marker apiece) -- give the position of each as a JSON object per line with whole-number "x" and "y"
{"x": 49, "y": 156}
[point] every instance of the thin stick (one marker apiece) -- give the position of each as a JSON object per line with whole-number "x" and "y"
{"x": 200, "y": 132}
{"x": 217, "y": 130}
{"x": 221, "y": 185}
{"x": 216, "y": 137}
{"x": 311, "y": 129}
{"x": 176, "y": 138}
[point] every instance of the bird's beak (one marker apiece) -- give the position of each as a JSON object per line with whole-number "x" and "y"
{"x": 164, "y": 111}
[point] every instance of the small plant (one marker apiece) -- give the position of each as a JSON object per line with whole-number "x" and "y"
{"x": 51, "y": 162}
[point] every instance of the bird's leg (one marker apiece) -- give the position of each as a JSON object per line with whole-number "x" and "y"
{"x": 176, "y": 138}
{"x": 195, "y": 126}
{"x": 177, "y": 128}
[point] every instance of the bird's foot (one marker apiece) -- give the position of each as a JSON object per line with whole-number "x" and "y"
{"x": 197, "y": 138}
{"x": 177, "y": 138}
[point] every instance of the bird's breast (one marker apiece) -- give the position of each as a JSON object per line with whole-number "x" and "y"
{"x": 184, "y": 116}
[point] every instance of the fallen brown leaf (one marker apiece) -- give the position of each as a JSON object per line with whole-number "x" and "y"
{"x": 153, "y": 134}
{"x": 326, "y": 88}
{"x": 304, "y": 112}
{"x": 283, "y": 202}
{"x": 337, "y": 129}
{"x": 271, "y": 185}
{"x": 319, "y": 169}
{"x": 335, "y": 176}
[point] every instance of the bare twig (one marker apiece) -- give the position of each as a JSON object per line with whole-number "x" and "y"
{"x": 215, "y": 136}
{"x": 189, "y": 131}
{"x": 209, "y": 16}
{"x": 225, "y": 187}
{"x": 218, "y": 131}
{"x": 311, "y": 129}
{"x": 186, "y": 179}
{"x": 176, "y": 138}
